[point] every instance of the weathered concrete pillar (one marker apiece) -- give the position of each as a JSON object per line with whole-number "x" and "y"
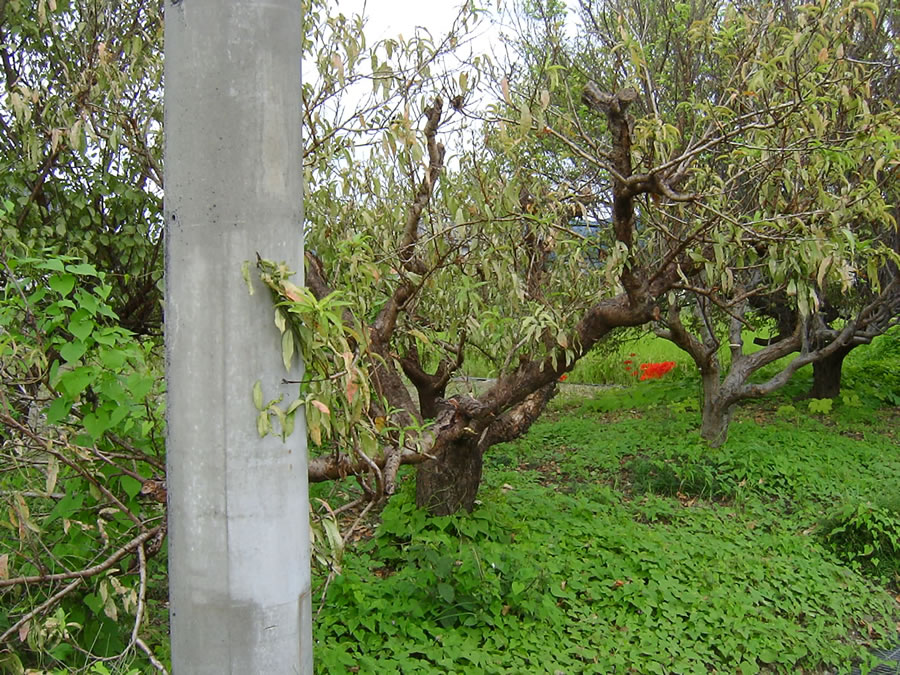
{"x": 238, "y": 523}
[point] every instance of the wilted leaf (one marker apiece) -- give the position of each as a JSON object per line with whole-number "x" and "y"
{"x": 52, "y": 473}
{"x": 352, "y": 388}
{"x": 257, "y": 395}
{"x": 262, "y": 424}
{"x": 287, "y": 348}
{"x": 321, "y": 406}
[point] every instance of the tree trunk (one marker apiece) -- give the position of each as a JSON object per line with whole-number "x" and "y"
{"x": 450, "y": 483}
{"x": 714, "y": 429}
{"x": 716, "y": 411}
{"x": 827, "y": 374}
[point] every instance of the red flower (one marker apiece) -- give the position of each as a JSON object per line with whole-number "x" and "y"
{"x": 627, "y": 361}
{"x": 562, "y": 378}
{"x": 653, "y": 371}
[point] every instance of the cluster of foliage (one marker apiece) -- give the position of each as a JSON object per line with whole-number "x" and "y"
{"x": 83, "y": 515}
{"x": 81, "y": 116}
{"x": 636, "y": 550}
{"x": 82, "y": 561}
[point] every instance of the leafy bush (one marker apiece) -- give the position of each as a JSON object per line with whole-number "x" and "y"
{"x": 866, "y": 535}
{"x": 871, "y": 371}
{"x": 81, "y": 518}
{"x": 689, "y": 478}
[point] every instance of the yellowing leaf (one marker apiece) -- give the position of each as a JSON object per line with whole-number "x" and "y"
{"x": 52, "y": 473}
{"x": 245, "y": 273}
{"x": 257, "y": 395}
{"x": 287, "y": 348}
{"x": 320, "y": 406}
{"x": 524, "y": 117}
{"x": 292, "y": 292}
{"x": 420, "y": 335}
{"x": 262, "y": 424}
{"x": 823, "y": 270}
{"x": 872, "y": 19}
{"x": 338, "y": 64}
{"x": 315, "y": 432}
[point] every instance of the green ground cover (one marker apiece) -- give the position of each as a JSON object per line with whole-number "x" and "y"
{"x": 611, "y": 539}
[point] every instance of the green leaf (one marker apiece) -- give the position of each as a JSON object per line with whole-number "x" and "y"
{"x": 81, "y": 329}
{"x": 52, "y": 264}
{"x": 768, "y": 655}
{"x": 94, "y": 603}
{"x": 139, "y": 385}
{"x": 262, "y": 424}
{"x": 62, "y": 283}
{"x": 74, "y": 381}
{"x": 447, "y": 592}
{"x": 58, "y": 410}
{"x": 82, "y": 269}
{"x": 72, "y": 351}
{"x": 113, "y": 359}
{"x": 96, "y": 424}
{"x": 130, "y": 486}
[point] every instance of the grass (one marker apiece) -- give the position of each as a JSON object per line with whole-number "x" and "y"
{"x": 610, "y": 539}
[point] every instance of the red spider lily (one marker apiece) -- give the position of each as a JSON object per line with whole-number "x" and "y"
{"x": 562, "y": 378}
{"x": 653, "y": 371}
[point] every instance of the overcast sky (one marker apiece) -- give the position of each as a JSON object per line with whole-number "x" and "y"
{"x": 387, "y": 18}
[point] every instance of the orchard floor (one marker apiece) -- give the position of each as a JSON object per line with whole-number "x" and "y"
{"x": 610, "y": 539}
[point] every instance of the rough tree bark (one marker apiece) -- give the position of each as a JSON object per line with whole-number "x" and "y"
{"x": 827, "y": 374}
{"x": 811, "y": 344}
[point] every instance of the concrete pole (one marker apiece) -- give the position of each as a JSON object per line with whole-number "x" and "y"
{"x": 239, "y": 580}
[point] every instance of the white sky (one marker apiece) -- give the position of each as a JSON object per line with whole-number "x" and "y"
{"x": 387, "y": 18}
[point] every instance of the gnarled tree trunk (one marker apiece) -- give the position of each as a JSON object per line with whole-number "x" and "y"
{"x": 716, "y": 414}
{"x": 827, "y": 374}
{"x": 448, "y": 483}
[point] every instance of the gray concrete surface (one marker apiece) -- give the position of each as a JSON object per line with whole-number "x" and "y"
{"x": 238, "y": 523}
